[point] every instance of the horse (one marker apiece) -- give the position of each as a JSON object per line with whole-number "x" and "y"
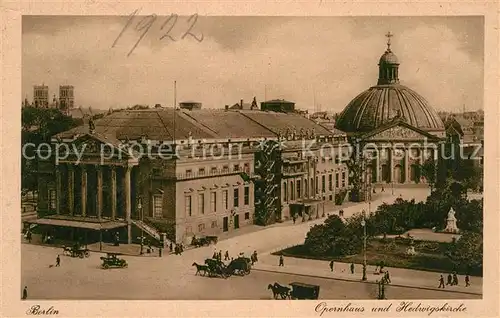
{"x": 200, "y": 268}
{"x": 278, "y": 290}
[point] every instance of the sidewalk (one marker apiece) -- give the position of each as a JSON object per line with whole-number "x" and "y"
{"x": 398, "y": 276}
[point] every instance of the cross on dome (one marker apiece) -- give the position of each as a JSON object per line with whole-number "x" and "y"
{"x": 389, "y": 35}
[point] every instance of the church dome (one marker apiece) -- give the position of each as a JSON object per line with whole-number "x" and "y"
{"x": 386, "y": 101}
{"x": 380, "y": 104}
{"x": 389, "y": 58}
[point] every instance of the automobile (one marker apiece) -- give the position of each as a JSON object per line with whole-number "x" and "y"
{"x": 111, "y": 260}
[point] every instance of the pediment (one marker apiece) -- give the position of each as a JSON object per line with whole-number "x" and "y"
{"x": 94, "y": 146}
{"x": 398, "y": 132}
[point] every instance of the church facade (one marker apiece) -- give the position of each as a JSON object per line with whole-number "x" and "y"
{"x": 395, "y": 127}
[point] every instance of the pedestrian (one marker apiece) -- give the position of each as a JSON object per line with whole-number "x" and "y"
{"x": 226, "y": 256}
{"x": 352, "y": 268}
{"x": 455, "y": 279}
{"x": 387, "y": 277}
{"x": 449, "y": 280}
{"x": 383, "y": 190}
{"x": 220, "y": 255}
{"x": 28, "y": 236}
{"x": 294, "y": 219}
{"x": 441, "y": 282}
{"x": 282, "y": 262}
{"x": 25, "y": 292}
{"x": 331, "y": 265}
{"x": 58, "y": 261}
{"x": 341, "y": 213}
{"x": 467, "y": 280}
{"x": 171, "y": 247}
{"x": 255, "y": 256}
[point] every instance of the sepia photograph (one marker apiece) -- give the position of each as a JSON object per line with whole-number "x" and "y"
{"x": 206, "y": 158}
{"x": 270, "y": 158}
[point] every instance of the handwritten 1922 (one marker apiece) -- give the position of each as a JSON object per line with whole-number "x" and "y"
{"x": 168, "y": 25}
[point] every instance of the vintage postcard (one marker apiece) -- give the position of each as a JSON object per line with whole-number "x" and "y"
{"x": 249, "y": 159}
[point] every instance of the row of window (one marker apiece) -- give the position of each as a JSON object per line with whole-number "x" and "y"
{"x": 213, "y": 200}
{"x": 297, "y": 192}
{"x": 225, "y": 168}
{"x": 213, "y": 224}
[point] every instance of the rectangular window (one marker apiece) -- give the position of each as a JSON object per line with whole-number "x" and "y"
{"x": 189, "y": 229}
{"x": 201, "y": 203}
{"x": 246, "y": 167}
{"x": 189, "y": 173}
{"x": 247, "y": 195}
{"x": 337, "y": 180}
{"x": 52, "y": 199}
{"x": 323, "y": 183}
{"x": 201, "y": 171}
{"x": 343, "y": 179}
{"x": 225, "y": 199}
{"x": 213, "y": 170}
{"x": 236, "y": 197}
{"x": 225, "y": 168}
{"x": 331, "y": 197}
{"x": 298, "y": 190}
{"x": 187, "y": 205}
{"x": 157, "y": 206}
{"x": 285, "y": 192}
{"x": 214, "y": 224}
{"x": 330, "y": 182}
{"x": 201, "y": 227}
{"x": 236, "y": 168}
{"x": 292, "y": 193}
{"x": 213, "y": 201}
{"x": 317, "y": 185}
{"x": 247, "y": 216}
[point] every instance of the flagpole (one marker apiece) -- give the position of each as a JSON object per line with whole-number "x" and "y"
{"x": 175, "y": 103}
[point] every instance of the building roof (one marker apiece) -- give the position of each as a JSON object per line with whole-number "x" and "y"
{"x": 229, "y": 124}
{"x": 278, "y": 101}
{"x": 158, "y": 124}
{"x": 277, "y": 122}
{"x": 389, "y": 58}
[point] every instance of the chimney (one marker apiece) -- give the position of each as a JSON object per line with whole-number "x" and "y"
{"x": 241, "y": 103}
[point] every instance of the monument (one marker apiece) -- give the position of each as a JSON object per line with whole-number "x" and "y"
{"x": 451, "y": 222}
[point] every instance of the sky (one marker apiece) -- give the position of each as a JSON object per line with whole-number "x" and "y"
{"x": 320, "y": 63}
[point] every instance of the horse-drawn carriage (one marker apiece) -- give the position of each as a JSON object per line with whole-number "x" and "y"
{"x": 215, "y": 268}
{"x": 205, "y": 240}
{"x": 111, "y": 260}
{"x": 76, "y": 251}
{"x": 304, "y": 291}
{"x": 298, "y": 291}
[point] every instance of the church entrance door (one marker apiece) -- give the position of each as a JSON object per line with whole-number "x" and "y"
{"x": 398, "y": 174}
{"x": 385, "y": 173}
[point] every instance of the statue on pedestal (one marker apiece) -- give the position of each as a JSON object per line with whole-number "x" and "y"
{"x": 451, "y": 222}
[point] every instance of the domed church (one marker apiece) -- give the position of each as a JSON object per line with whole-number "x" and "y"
{"x": 393, "y": 123}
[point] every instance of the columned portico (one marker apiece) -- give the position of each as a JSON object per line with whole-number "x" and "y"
{"x": 99, "y": 192}
{"x": 71, "y": 189}
{"x": 84, "y": 190}
{"x": 113, "y": 192}
{"x": 407, "y": 166}
{"x": 58, "y": 190}
{"x": 128, "y": 203}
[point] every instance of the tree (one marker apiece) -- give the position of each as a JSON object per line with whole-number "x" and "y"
{"x": 332, "y": 238}
{"x": 467, "y": 252}
{"x": 38, "y": 125}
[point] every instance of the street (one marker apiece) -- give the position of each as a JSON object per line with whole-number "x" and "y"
{"x": 173, "y": 276}
{"x": 149, "y": 279}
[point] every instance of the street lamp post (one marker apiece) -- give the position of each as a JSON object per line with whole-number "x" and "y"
{"x": 363, "y": 223}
